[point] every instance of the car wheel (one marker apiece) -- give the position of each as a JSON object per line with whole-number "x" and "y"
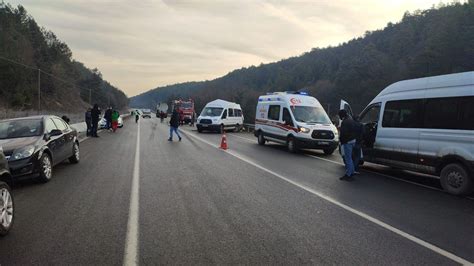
{"x": 261, "y": 138}
{"x": 46, "y": 168}
{"x": 291, "y": 145}
{"x": 329, "y": 151}
{"x": 76, "y": 155}
{"x": 455, "y": 179}
{"x": 7, "y": 215}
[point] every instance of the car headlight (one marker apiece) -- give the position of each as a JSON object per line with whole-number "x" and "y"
{"x": 304, "y": 130}
{"x": 22, "y": 153}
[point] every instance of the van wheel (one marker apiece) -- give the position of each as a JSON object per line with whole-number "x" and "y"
{"x": 291, "y": 145}
{"x": 199, "y": 129}
{"x": 261, "y": 139}
{"x": 329, "y": 151}
{"x": 237, "y": 128}
{"x": 455, "y": 179}
{"x": 45, "y": 168}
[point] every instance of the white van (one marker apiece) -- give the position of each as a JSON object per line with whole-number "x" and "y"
{"x": 220, "y": 115}
{"x": 424, "y": 125}
{"x": 296, "y": 120}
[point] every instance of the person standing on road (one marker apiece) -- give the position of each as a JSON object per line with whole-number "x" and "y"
{"x": 108, "y": 118}
{"x": 115, "y": 118}
{"x": 347, "y": 137}
{"x": 174, "y": 124}
{"x": 137, "y": 116}
{"x": 88, "y": 118}
{"x": 95, "y": 114}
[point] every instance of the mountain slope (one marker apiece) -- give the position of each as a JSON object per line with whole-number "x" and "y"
{"x": 425, "y": 43}
{"x": 66, "y": 84}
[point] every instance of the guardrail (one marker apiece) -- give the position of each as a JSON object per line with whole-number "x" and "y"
{"x": 249, "y": 127}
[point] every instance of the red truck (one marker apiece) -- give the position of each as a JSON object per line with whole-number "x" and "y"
{"x": 185, "y": 110}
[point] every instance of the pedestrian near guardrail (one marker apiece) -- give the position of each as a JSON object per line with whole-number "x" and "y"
{"x": 88, "y": 119}
{"x": 95, "y": 114}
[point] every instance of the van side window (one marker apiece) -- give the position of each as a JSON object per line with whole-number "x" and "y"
{"x": 287, "y": 117}
{"x": 238, "y": 112}
{"x": 402, "y": 114}
{"x": 224, "y": 115}
{"x": 449, "y": 113}
{"x": 231, "y": 112}
{"x": 371, "y": 115}
{"x": 274, "y": 112}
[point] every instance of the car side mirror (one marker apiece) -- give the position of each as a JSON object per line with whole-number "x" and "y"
{"x": 55, "y": 132}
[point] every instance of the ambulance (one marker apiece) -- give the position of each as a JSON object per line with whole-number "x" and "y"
{"x": 296, "y": 120}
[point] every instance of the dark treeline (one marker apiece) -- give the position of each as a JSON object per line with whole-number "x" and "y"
{"x": 425, "y": 43}
{"x": 67, "y": 88}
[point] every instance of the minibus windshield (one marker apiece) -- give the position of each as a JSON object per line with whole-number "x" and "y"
{"x": 310, "y": 114}
{"x": 212, "y": 111}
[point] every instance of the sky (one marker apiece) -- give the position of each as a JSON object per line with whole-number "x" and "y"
{"x": 139, "y": 45}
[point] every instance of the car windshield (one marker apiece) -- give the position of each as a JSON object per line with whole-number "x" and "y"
{"x": 186, "y": 105}
{"x": 310, "y": 114}
{"x": 20, "y": 128}
{"x": 212, "y": 111}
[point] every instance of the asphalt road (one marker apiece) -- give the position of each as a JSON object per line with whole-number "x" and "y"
{"x": 197, "y": 204}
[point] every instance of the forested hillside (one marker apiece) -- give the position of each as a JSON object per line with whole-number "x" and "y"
{"x": 65, "y": 83}
{"x": 424, "y": 43}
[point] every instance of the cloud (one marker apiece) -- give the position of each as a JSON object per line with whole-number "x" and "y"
{"x": 139, "y": 45}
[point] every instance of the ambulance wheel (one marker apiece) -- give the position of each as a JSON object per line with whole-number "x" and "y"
{"x": 261, "y": 139}
{"x": 291, "y": 145}
{"x": 329, "y": 151}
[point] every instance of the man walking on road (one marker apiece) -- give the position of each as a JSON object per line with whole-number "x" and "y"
{"x": 174, "y": 124}
{"x": 95, "y": 114}
{"x": 347, "y": 137}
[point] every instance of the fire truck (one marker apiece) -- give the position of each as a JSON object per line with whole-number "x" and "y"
{"x": 186, "y": 110}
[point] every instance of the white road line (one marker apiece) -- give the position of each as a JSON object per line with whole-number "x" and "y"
{"x": 131, "y": 243}
{"x": 364, "y": 170}
{"x": 399, "y": 232}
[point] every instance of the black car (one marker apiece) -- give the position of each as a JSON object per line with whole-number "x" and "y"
{"x": 6, "y": 198}
{"x": 33, "y": 145}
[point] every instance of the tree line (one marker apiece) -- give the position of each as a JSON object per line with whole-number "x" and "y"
{"x": 436, "y": 41}
{"x": 29, "y": 52}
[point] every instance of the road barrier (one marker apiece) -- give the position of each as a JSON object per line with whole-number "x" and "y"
{"x": 249, "y": 127}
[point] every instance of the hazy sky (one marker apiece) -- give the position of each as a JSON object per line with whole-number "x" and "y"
{"x": 141, "y": 44}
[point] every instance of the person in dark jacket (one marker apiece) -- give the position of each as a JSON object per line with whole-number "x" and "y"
{"x": 108, "y": 118}
{"x": 174, "y": 124}
{"x": 95, "y": 114}
{"x": 347, "y": 139}
{"x": 88, "y": 118}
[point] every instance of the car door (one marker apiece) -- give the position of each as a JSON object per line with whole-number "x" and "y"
{"x": 53, "y": 142}
{"x": 69, "y": 137}
{"x": 370, "y": 120}
{"x": 63, "y": 140}
{"x": 275, "y": 120}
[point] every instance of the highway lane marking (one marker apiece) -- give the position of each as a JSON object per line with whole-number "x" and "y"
{"x": 131, "y": 242}
{"x": 364, "y": 170}
{"x": 363, "y": 215}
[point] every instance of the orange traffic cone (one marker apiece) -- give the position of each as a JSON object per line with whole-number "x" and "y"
{"x": 224, "y": 142}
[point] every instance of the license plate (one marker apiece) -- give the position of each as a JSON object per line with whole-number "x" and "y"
{"x": 204, "y": 125}
{"x": 323, "y": 143}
